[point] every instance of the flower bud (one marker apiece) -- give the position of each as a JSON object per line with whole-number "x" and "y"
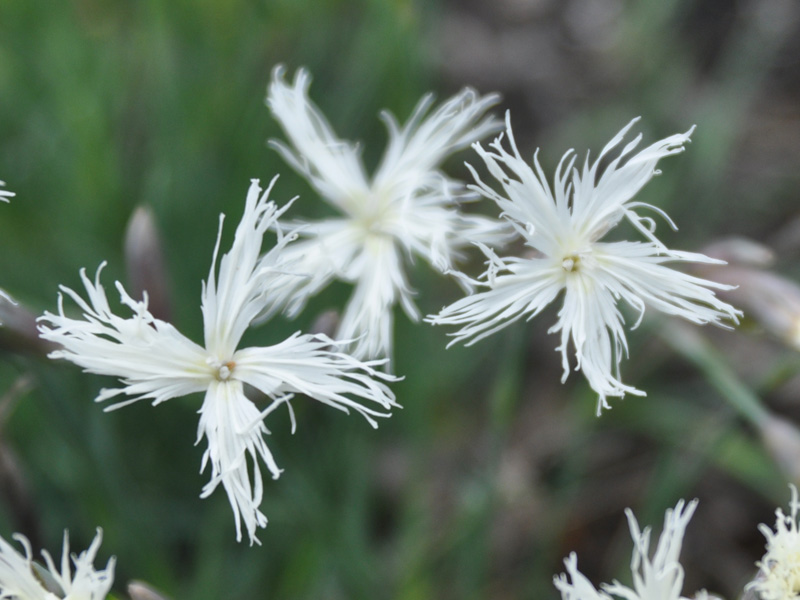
{"x": 139, "y": 590}
{"x": 326, "y": 323}
{"x": 18, "y": 333}
{"x": 741, "y": 251}
{"x": 782, "y": 440}
{"x": 144, "y": 260}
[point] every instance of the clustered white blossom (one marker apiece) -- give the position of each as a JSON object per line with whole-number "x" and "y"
{"x": 407, "y": 208}
{"x": 21, "y": 580}
{"x": 563, "y": 226}
{"x": 779, "y": 576}
{"x": 656, "y": 578}
{"x": 154, "y": 361}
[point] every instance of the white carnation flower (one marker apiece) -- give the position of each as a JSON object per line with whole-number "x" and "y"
{"x": 656, "y": 578}
{"x": 779, "y": 577}
{"x": 563, "y": 226}
{"x": 153, "y": 360}
{"x": 19, "y": 581}
{"x": 407, "y": 208}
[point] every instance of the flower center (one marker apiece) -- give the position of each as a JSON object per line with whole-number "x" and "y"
{"x": 222, "y": 370}
{"x": 374, "y": 214}
{"x": 571, "y": 263}
{"x": 793, "y": 576}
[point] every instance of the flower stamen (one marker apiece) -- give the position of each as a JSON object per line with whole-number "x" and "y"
{"x": 222, "y": 371}
{"x": 571, "y": 263}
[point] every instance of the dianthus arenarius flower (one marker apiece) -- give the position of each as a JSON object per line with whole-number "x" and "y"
{"x": 407, "y": 208}
{"x": 563, "y": 226}
{"x": 153, "y": 360}
{"x": 659, "y": 578}
{"x": 779, "y": 577}
{"x": 19, "y": 581}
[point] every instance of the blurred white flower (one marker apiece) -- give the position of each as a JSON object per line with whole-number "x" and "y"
{"x": 153, "y": 360}
{"x": 659, "y": 578}
{"x": 779, "y": 577}
{"x": 408, "y": 208}
{"x": 5, "y": 194}
{"x": 19, "y": 581}
{"x": 563, "y": 226}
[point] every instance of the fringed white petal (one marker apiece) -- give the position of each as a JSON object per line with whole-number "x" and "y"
{"x": 5, "y": 194}
{"x": 523, "y": 291}
{"x": 659, "y": 578}
{"x": 637, "y": 272}
{"x": 151, "y": 358}
{"x": 411, "y": 161}
{"x": 600, "y": 201}
{"x": 573, "y": 585}
{"x": 331, "y": 165}
{"x": 328, "y": 250}
{"x": 591, "y": 321}
{"x": 231, "y": 301}
{"x": 368, "y": 316}
{"x": 529, "y": 201}
{"x": 18, "y": 581}
{"x": 234, "y": 429}
{"x": 312, "y": 365}
{"x": 86, "y": 583}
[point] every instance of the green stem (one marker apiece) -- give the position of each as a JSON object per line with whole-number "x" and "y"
{"x": 690, "y": 344}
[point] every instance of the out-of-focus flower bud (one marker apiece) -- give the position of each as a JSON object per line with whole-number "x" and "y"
{"x": 144, "y": 260}
{"x": 741, "y": 251}
{"x": 782, "y": 440}
{"x": 18, "y": 332}
{"x": 768, "y": 298}
{"x": 139, "y": 590}
{"x": 326, "y": 323}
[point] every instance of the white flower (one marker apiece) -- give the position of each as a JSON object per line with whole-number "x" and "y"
{"x": 408, "y": 208}
{"x": 19, "y": 581}
{"x": 779, "y": 577}
{"x": 659, "y": 578}
{"x": 563, "y": 226}
{"x": 5, "y": 194}
{"x": 153, "y": 360}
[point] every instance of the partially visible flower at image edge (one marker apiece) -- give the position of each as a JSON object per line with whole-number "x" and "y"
{"x": 19, "y": 581}
{"x": 656, "y": 578}
{"x": 5, "y": 194}
{"x": 153, "y": 360}
{"x": 779, "y": 575}
{"x": 562, "y": 227}
{"x": 407, "y": 209}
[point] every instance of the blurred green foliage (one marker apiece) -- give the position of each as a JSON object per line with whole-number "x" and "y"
{"x": 492, "y": 471}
